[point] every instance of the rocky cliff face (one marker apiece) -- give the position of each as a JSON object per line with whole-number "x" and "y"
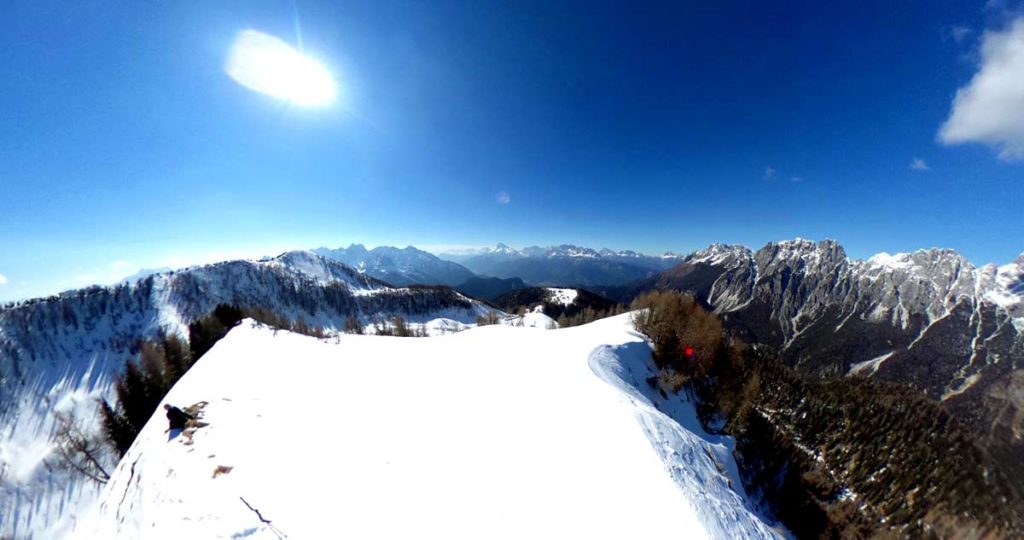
{"x": 929, "y": 318}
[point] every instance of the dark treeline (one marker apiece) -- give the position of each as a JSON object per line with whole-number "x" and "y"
{"x": 148, "y": 377}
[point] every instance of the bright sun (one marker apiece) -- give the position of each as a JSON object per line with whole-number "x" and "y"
{"x": 270, "y": 66}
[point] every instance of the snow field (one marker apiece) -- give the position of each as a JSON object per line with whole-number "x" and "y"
{"x": 495, "y": 432}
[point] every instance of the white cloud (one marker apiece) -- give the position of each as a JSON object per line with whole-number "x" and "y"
{"x": 770, "y": 173}
{"x": 990, "y": 109}
{"x": 919, "y": 164}
{"x": 3, "y": 279}
{"x": 796, "y": 179}
{"x": 503, "y": 197}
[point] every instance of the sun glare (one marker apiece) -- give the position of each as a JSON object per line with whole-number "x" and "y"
{"x": 268, "y": 65}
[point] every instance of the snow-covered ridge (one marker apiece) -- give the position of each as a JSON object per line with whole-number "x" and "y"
{"x": 70, "y": 345}
{"x": 554, "y": 424}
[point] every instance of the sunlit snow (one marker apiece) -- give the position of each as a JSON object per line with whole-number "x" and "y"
{"x": 495, "y": 432}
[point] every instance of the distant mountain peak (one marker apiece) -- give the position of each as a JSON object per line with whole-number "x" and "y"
{"x": 719, "y": 253}
{"x": 502, "y": 248}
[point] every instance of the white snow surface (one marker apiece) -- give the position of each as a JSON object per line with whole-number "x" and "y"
{"x": 68, "y": 349}
{"x": 900, "y": 261}
{"x": 563, "y": 296}
{"x": 533, "y": 319}
{"x": 495, "y": 432}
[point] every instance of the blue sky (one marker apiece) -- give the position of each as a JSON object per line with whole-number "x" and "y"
{"x": 123, "y": 144}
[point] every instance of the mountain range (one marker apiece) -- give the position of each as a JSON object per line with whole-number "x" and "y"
{"x": 563, "y": 265}
{"x": 400, "y": 267}
{"x": 929, "y": 319}
{"x": 473, "y": 271}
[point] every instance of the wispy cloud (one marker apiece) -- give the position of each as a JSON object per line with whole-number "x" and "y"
{"x": 919, "y": 164}
{"x": 960, "y": 33}
{"x": 3, "y": 279}
{"x": 796, "y": 179}
{"x": 990, "y": 109}
{"x": 503, "y": 197}
{"x": 770, "y": 173}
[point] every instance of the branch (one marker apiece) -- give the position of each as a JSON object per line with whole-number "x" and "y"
{"x": 76, "y": 451}
{"x": 273, "y": 529}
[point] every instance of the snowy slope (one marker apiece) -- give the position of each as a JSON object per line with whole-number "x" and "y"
{"x": 496, "y": 432}
{"x": 60, "y": 353}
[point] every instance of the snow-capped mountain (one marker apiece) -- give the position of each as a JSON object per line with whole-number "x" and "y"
{"x": 928, "y": 318}
{"x": 60, "y": 353}
{"x": 408, "y": 266}
{"x": 564, "y": 264}
{"x": 498, "y": 251}
{"x": 572, "y": 428}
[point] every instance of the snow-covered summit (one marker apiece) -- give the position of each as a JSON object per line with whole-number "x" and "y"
{"x": 496, "y": 432}
{"x": 605, "y": 252}
{"x": 727, "y": 254}
{"x": 500, "y": 248}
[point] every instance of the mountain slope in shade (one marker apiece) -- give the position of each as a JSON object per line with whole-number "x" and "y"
{"x": 929, "y": 318}
{"x": 60, "y": 353}
{"x": 570, "y": 430}
{"x": 489, "y": 288}
{"x": 408, "y": 266}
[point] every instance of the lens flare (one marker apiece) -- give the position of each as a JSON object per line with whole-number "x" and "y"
{"x": 268, "y": 65}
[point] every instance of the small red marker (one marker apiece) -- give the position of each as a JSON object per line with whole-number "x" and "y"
{"x": 688, "y": 352}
